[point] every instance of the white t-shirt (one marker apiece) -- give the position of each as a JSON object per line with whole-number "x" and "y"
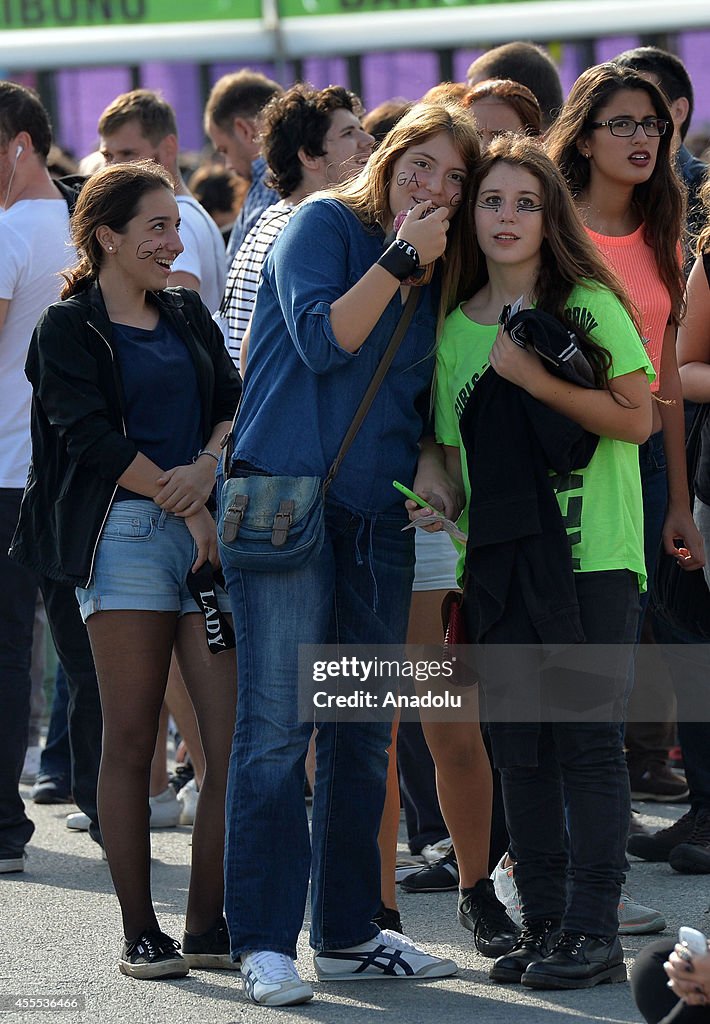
{"x": 34, "y": 246}
{"x": 204, "y": 256}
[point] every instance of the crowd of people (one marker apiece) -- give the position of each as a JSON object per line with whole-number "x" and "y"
{"x": 481, "y": 294}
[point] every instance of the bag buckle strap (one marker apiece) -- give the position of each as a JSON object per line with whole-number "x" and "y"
{"x": 233, "y": 517}
{"x": 282, "y": 522}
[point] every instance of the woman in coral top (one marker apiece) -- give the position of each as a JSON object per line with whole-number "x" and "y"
{"x": 612, "y": 142}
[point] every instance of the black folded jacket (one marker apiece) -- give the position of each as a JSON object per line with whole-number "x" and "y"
{"x": 512, "y": 442}
{"x": 553, "y": 342}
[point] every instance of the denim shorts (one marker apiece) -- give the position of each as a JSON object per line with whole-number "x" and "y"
{"x": 142, "y": 561}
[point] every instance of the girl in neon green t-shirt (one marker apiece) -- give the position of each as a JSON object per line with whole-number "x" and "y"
{"x": 557, "y": 777}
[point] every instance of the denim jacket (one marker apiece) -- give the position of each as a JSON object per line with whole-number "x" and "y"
{"x": 302, "y": 389}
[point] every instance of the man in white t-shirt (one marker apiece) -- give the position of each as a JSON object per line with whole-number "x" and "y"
{"x": 140, "y": 125}
{"x": 35, "y": 247}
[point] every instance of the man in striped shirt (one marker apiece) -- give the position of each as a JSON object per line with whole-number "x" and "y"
{"x": 311, "y": 139}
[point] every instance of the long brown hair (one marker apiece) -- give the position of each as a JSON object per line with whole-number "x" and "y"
{"x": 702, "y": 242}
{"x": 111, "y": 197}
{"x": 568, "y": 257}
{"x": 660, "y": 200}
{"x": 367, "y": 195}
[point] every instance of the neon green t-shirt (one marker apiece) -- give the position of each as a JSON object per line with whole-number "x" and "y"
{"x": 601, "y": 505}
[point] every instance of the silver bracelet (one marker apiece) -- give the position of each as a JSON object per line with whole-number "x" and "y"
{"x": 206, "y": 451}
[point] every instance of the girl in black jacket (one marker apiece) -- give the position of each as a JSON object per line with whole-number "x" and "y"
{"x": 133, "y": 389}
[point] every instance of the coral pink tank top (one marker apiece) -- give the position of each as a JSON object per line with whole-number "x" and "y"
{"x": 634, "y": 263}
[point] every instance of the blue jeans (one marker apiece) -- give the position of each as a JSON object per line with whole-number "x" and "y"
{"x": 357, "y": 590}
{"x": 56, "y": 756}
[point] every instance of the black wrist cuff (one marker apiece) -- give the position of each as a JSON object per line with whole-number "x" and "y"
{"x": 400, "y": 259}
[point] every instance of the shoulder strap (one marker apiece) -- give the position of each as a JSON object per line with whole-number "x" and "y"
{"x": 379, "y": 375}
{"x": 706, "y": 265}
{"x": 227, "y": 442}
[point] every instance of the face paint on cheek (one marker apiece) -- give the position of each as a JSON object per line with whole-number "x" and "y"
{"x": 455, "y": 199}
{"x": 147, "y": 249}
{"x": 404, "y": 179}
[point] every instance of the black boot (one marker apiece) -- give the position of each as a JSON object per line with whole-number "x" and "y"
{"x": 482, "y": 913}
{"x": 534, "y": 944}
{"x": 578, "y": 961}
{"x": 388, "y": 918}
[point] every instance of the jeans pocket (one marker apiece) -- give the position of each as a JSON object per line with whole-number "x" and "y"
{"x": 129, "y": 526}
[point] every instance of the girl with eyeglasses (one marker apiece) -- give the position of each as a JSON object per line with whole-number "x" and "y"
{"x": 613, "y": 143}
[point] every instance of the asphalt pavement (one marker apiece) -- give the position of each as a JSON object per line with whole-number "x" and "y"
{"x": 61, "y": 937}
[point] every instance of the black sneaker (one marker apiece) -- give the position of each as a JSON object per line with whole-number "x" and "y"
{"x": 657, "y": 846}
{"x": 578, "y": 961}
{"x": 51, "y": 789}
{"x": 692, "y": 857}
{"x": 481, "y": 912}
{"x": 388, "y": 919}
{"x": 533, "y": 945}
{"x": 183, "y": 773}
{"x": 209, "y": 950}
{"x": 152, "y": 955}
{"x": 440, "y": 877}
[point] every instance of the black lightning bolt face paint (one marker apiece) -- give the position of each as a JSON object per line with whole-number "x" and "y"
{"x": 146, "y": 249}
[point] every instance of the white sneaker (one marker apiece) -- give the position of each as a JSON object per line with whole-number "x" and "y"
{"x": 271, "y": 979}
{"x": 164, "y": 809}
{"x": 187, "y": 798}
{"x": 507, "y": 890}
{"x": 30, "y": 769}
{"x": 434, "y": 852}
{"x": 78, "y": 821}
{"x": 388, "y": 955}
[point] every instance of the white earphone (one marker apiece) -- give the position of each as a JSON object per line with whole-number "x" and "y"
{"x": 20, "y": 149}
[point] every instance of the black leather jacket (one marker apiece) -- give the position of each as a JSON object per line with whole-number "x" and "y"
{"x": 79, "y": 443}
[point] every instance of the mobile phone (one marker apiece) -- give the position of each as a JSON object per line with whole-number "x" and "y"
{"x": 414, "y": 497}
{"x": 695, "y": 941}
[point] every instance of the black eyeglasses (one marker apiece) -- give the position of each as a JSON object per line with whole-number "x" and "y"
{"x": 625, "y": 127}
